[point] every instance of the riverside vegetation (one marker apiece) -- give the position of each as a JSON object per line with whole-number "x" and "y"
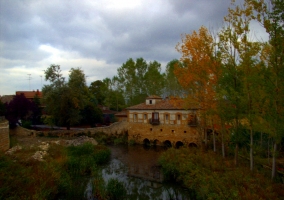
{"x": 210, "y": 176}
{"x": 64, "y": 173}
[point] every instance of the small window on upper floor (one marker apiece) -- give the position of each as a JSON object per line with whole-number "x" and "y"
{"x": 150, "y": 101}
{"x": 135, "y": 117}
{"x": 178, "y": 117}
{"x": 167, "y": 117}
{"x": 145, "y": 116}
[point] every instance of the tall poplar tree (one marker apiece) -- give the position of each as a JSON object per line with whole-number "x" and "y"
{"x": 271, "y": 16}
{"x": 198, "y": 74}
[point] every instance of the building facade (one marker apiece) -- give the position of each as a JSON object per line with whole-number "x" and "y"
{"x": 163, "y": 122}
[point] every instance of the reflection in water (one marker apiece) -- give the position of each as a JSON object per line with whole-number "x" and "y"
{"x": 137, "y": 168}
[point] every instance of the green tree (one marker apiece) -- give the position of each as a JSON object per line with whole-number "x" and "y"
{"x": 154, "y": 80}
{"x": 172, "y": 86}
{"x": 96, "y": 88}
{"x": 2, "y": 108}
{"x": 63, "y": 100}
{"x": 248, "y": 51}
{"x": 139, "y": 79}
{"x": 271, "y": 16}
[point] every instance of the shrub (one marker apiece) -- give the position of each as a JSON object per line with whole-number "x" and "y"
{"x": 27, "y": 124}
{"x": 131, "y": 142}
{"x": 211, "y": 178}
{"x": 115, "y": 189}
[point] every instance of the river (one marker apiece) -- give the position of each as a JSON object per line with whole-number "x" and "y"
{"x": 137, "y": 168}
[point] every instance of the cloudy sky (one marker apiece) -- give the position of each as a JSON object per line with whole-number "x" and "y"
{"x": 96, "y": 35}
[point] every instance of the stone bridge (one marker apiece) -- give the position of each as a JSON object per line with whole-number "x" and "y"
{"x": 141, "y": 133}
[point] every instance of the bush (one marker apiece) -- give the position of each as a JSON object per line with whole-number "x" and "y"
{"x": 26, "y": 124}
{"x": 82, "y": 158}
{"x": 60, "y": 177}
{"x": 212, "y": 177}
{"x": 131, "y": 142}
{"x": 115, "y": 189}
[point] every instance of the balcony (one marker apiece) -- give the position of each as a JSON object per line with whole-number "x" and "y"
{"x": 154, "y": 121}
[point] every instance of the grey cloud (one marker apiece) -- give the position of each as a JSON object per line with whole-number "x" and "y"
{"x": 87, "y": 27}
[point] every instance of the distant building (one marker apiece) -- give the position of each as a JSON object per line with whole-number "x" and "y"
{"x": 121, "y": 116}
{"x": 30, "y": 94}
{"x": 163, "y": 121}
{"x": 108, "y": 115}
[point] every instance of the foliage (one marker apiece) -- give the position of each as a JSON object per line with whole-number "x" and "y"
{"x": 172, "y": 86}
{"x": 91, "y": 114}
{"x": 82, "y": 158}
{"x": 199, "y": 73}
{"x": 57, "y": 178}
{"x": 26, "y": 124}
{"x": 215, "y": 178}
{"x": 64, "y": 101}
{"x": 2, "y": 108}
{"x": 97, "y": 89}
{"x": 20, "y": 108}
{"x": 139, "y": 80}
{"x": 115, "y": 189}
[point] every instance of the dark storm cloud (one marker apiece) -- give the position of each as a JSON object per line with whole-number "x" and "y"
{"x": 99, "y": 32}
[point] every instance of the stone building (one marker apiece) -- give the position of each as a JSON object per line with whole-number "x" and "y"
{"x": 160, "y": 121}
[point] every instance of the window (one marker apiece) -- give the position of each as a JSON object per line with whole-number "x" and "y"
{"x": 173, "y": 131}
{"x": 150, "y": 101}
{"x": 184, "y": 131}
{"x": 135, "y": 117}
{"x": 161, "y": 130}
{"x": 155, "y": 118}
{"x": 145, "y": 116}
{"x": 178, "y": 117}
{"x": 167, "y": 117}
{"x": 150, "y": 129}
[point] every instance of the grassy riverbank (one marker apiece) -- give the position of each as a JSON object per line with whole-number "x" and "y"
{"x": 212, "y": 177}
{"x": 60, "y": 175}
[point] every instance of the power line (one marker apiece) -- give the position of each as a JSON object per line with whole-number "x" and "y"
{"x": 29, "y": 78}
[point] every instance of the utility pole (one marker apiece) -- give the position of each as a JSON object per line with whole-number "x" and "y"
{"x": 29, "y": 81}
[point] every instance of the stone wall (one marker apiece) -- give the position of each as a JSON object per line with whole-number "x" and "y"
{"x": 115, "y": 128}
{"x": 158, "y": 134}
{"x": 4, "y": 136}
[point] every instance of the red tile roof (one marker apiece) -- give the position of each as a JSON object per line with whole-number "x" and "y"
{"x": 154, "y": 97}
{"x": 122, "y": 113}
{"x": 30, "y": 94}
{"x": 168, "y": 104}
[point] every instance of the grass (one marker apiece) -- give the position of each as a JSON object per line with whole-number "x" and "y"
{"x": 103, "y": 138}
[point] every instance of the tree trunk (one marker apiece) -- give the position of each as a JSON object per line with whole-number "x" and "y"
{"x": 236, "y": 154}
{"x": 223, "y": 145}
{"x": 205, "y": 137}
{"x": 214, "y": 141}
{"x": 251, "y": 150}
{"x": 213, "y": 133}
{"x": 274, "y": 161}
{"x": 268, "y": 151}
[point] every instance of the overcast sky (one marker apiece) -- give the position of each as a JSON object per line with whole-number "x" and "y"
{"x": 96, "y": 35}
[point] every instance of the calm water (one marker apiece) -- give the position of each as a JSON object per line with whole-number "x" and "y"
{"x": 137, "y": 167}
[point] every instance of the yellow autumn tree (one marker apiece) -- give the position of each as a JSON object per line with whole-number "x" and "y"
{"x": 199, "y": 74}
